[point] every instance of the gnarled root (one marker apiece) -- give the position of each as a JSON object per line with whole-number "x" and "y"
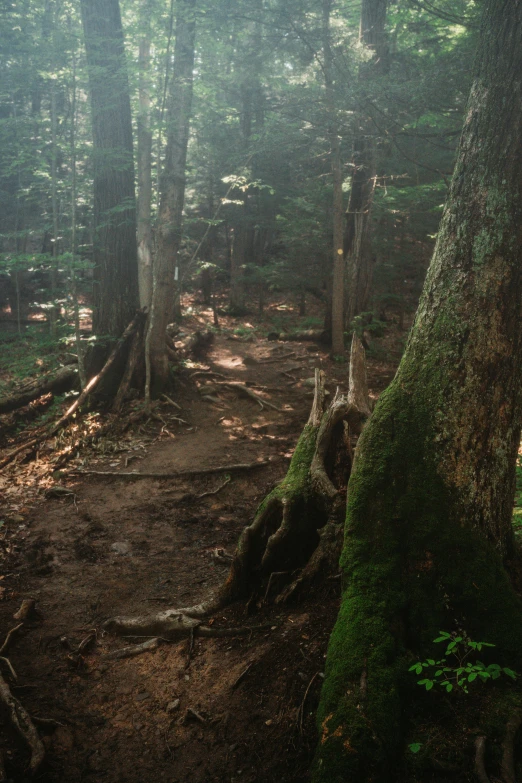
{"x": 23, "y": 724}
{"x": 299, "y": 523}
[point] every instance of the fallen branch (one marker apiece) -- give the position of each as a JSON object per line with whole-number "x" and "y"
{"x": 300, "y": 711}
{"x": 22, "y": 722}
{"x": 58, "y": 383}
{"x": 176, "y": 474}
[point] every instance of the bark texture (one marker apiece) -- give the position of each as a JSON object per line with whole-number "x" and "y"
{"x": 116, "y": 273}
{"x": 357, "y": 239}
{"x": 430, "y": 497}
{"x": 173, "y": 180}
{"x": 337, "y": 324}
{"x": 144, "y": 162}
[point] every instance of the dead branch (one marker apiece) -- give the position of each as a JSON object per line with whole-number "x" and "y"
{"x": 300, "y": 711}
{"x": 508, "y": 755}
{"x": 21, "y": 720}
{"x": 480, "y": 769}
{"x": 171, "y": 402}
{"x": 176, "y": 474}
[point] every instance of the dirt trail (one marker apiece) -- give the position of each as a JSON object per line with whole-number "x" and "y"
{"x": 133, "y": 546}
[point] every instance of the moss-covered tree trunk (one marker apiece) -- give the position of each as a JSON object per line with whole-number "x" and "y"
{"x": 428, "y": 531}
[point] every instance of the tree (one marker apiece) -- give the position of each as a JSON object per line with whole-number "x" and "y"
{"x": 428, "y": 530}
{"x": 357, "y": 248}
{"x": 169, "y": 228}
{"x": 116, "y": 271}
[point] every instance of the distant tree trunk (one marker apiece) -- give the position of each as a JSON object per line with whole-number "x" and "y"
{"x": 116, "y": 272}
{"x": 431, "y": 492}
{"x": 251, "y": 117}
{"x": 337, "y": 325}
{"x": 144, "y": 162}
{"x": 357, "y": 238}
{"x": 173, "y": 179}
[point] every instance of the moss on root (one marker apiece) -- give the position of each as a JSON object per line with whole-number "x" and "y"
{"x": 409, "y": 570}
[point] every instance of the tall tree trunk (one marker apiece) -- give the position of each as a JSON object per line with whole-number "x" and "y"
{"x": 431, "y": 492}
{"x": 337, "y": 325}
{"x": 357, "y": 238}
{"x": 116, "y": 272}
{"x": 144, "y": 163}
{"x": 173, "y": 179}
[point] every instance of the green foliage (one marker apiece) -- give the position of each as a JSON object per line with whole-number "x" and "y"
{"x": 462, "y": 669}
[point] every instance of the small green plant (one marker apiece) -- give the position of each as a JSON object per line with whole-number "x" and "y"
{"x": 461, "y": 668}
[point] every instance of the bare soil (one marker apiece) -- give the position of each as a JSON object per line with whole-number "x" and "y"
{"x": 237, "y": 708}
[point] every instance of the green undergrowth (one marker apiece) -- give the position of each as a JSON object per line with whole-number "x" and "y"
{"x": 30, "y": 355}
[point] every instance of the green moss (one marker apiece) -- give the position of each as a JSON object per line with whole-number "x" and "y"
{"x": 409, "y": 570}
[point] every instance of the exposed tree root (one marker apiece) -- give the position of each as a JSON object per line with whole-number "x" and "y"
{"x": 508, "y": 755}
{"x": 480, "y": 769}
{"x": 237, "y": 467}
{"x": 22, "y": 722}
{"x": 298, "y": 525}
{"x": 314, "y": 335}
{"x": 240, "y": 388}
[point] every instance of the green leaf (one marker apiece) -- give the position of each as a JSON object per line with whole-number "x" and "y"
{"x": 415, "y": 747}
{"x": 438, "y": 673}
{"x": 472, "y": 676}
{"x": 431, "y": 662}
{"x": 510, "y": 673}
{"x": 451, "y": 646}
{"x": 449, "y": 686}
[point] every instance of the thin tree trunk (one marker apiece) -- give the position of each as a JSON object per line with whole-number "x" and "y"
{"x": 431, "y": 493}
{"x": 74, "y": 285}
{"x": 337, "y": 183}
{"x": 144, "y": 163}
{"x": 357, "y": 232}
{"x": 169, "y": 230}
{"x": 115, "y": 255}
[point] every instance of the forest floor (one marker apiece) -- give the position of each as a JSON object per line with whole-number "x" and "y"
{"x": 236, "y": 708}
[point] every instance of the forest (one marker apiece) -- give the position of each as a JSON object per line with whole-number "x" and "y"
{"x": 260, "y": 400}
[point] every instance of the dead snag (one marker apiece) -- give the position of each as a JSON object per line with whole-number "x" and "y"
{"x": 298, "y": 524}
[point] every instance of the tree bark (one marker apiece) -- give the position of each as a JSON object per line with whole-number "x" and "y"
{"x": 144, "y": 163}
{"x": 357, "y": 237}
{"x": 337, "y": 324}
{"x": 431, "y": 492}
{"x": 115, "y": 274}
{"x": 173, "y": 179}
